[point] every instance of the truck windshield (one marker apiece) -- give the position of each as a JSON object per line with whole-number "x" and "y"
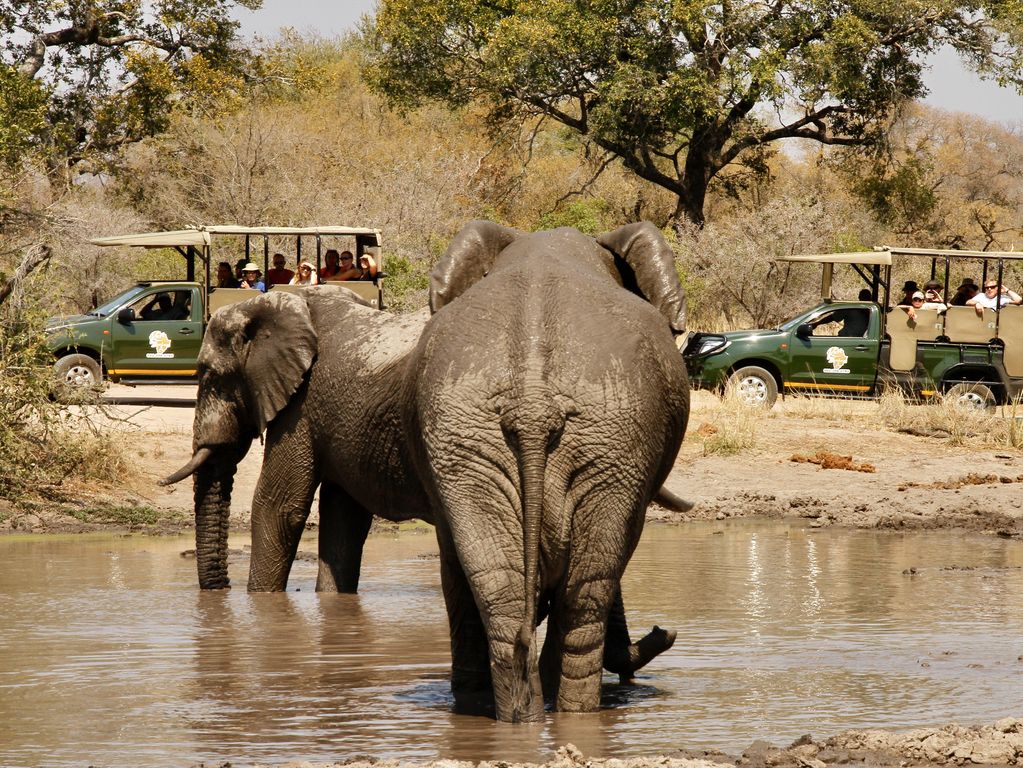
{"x": 792, "y": 322}
{"x": 118, "y": 301}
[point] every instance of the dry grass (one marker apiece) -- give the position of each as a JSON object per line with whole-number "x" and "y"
{"x": 1000, "y": 427}
{"x": 729, "y": 428}
{"x": 725, "y": 426}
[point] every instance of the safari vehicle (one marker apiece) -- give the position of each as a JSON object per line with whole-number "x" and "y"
{"x": 151, "y": 332}
{"x": 860, "y": 348}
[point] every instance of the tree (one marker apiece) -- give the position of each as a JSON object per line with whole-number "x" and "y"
{"x": 110, "y": 71}
{"x": 681, "y": 90}
{"x": 944, "y": 179}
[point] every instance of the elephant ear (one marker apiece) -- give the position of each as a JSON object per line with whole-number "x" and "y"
{"x": 467, "y": 260}
{"x": 647, "y": 266}
{"x": 276, "y": 346}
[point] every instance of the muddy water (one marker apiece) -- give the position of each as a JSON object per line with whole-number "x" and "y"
{"x": 110, "y": 655}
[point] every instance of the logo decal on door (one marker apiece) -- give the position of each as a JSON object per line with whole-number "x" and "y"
{"x": 159, "y": 341}
{"x": 838, "y": 358}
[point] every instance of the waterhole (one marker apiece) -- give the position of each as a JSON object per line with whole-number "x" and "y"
{"x": 110, "y": 655}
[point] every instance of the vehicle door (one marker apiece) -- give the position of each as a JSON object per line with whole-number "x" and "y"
{"x": 159, "y": 337}
{"x": 835, "y": 351}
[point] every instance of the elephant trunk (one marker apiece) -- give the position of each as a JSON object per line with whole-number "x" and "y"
{"x": 213, "y": 484}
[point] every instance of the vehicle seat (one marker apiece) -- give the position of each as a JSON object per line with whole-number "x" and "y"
{"x": 929, "y": 323}
{"x": 962, "y": 325}
{"x": 1010, "y": 331}
{"x": 902, "y": 332}
{"x": 224, "y": 297}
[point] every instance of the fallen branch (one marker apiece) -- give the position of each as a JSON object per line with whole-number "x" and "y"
{"x": 34, "y": 257}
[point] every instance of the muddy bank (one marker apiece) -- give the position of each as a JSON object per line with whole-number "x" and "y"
{"x": 832, "y": 462}
{"x": 999, "y": 744}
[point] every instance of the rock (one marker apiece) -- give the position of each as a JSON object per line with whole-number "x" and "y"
{"x": 990, "y": 751}
{"x": 1009, "y": 725}
{"x": 569, "y": 754}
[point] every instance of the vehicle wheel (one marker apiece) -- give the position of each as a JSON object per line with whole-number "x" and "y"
{"x": 76, "y": 374}
{"x": 753, "y": 385}
{"x": 977, "y": 397}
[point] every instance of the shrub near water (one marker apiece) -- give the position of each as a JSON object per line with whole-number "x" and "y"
{"x": 43, "y": 444}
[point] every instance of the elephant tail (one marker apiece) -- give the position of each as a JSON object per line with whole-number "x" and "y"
{"x": 532, "y": 433}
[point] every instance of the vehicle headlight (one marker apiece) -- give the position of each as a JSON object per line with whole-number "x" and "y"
{"x": 706, "y": 345}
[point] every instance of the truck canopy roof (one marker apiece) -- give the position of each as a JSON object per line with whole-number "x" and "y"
{"x": 882, "y": 257}
{"x": 201, "y": 235}
{"x": 932, "y": 253}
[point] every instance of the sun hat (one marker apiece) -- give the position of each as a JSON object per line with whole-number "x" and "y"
{"x": 250, "y": 267}
{"x": 910, "y": 286}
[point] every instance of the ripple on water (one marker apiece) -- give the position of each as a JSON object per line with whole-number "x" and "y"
{"x": 109, "y": 653}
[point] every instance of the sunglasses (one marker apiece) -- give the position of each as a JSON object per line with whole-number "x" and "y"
{"x": 990, "y": 287}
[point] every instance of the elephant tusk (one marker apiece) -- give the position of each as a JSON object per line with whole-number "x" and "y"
{"x": 197, "y": 460}
{"x": 675, "y": 503}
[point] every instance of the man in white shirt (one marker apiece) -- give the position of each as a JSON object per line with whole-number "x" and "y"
{"x": 994, "y": 297}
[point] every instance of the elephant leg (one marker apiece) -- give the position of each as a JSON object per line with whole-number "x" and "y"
{"x": 470, "y": 660}
{"x": 344, "y": 525}
{"x": 605, "y": 528}
{"x": 621, "y": 655}
{"x": 280, "y": 507}
{"x": 550, "y": 656}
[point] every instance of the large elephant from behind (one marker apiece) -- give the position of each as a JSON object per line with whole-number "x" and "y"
{"x": 549, "y": 402}
{"x": 324, "y": 375}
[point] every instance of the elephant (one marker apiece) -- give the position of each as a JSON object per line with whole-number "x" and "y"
{"x": 548, "y": 404}
{"x": 320, "y": 371}
{"x": 322, "y": 374}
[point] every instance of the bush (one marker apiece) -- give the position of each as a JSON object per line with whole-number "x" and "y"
{"x": 43, "y": 444}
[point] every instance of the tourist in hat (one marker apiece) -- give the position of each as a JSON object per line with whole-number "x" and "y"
{"x": 250, "y": 278}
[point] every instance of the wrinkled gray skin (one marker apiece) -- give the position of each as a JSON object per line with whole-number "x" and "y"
{"x": 549, "y": 402}
{"x": 323, "y": 374}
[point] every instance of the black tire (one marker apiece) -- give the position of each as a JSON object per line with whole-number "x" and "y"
{"x": 754, "y": 386}
{"x": 971, "y": 396}
{"x": 76, "y": 375}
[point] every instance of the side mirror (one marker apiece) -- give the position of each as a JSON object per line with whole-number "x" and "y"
{"x": 126, "y": 316}
{"x": 804, "y": 331}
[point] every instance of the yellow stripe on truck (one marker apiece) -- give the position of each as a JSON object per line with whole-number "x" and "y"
{"x": 817, "y": 385}
{"x": 147, "y": 372}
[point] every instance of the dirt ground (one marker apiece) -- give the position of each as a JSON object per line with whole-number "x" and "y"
{"x": 829, "y": 461}
{"x": 834, "y": 464}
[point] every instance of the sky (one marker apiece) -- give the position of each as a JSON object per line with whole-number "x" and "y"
{"x": 952, "y": 86}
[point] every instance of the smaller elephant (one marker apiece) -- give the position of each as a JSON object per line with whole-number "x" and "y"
{"x": 323, "y": 375}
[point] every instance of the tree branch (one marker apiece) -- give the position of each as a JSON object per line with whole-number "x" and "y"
{"x": 34, "y": 256}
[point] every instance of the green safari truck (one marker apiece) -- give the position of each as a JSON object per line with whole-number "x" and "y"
{"x": 860, "y": 348}
{"x": 152, "y": 332}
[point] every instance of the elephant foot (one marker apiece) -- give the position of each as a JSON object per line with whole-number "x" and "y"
{"x": 641, "y": 653}
{"x": 478, "y": 702}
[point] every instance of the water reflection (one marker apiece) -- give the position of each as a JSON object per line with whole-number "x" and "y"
{"x": 109, "y": 654}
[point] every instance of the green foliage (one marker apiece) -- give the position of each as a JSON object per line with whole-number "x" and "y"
{"x": 112, "y": 71}
{"x": 681, "y": 91}
{"x": 587, "y": 215}
{"x": 898, "y": 194}
{"x": 22, "y": 115}
{"x": 42, "y": 444}
{"x": 127, "y": 516}
{"x": 407, "y": 282}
